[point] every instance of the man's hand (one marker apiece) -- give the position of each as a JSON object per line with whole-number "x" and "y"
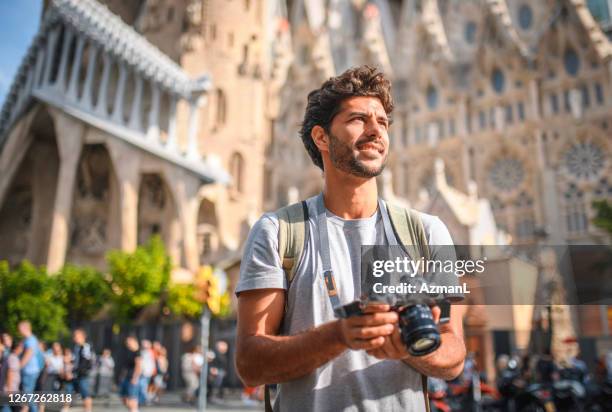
{"x": 369, "y": 331}
{"x": 446, "y": 362}
{"x": 393, "y": 347}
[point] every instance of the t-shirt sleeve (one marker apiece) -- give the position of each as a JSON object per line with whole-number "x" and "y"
{"x": 30, "y": 343}
{"x": 261, "y": 265}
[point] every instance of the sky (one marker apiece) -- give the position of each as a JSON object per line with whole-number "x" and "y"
{"x": 18, "y": 24}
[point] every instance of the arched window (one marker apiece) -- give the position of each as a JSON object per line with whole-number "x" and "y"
{"x": 432, "y": 97}
{"x": 575, "y": 214}
{"x": 525, "y": 16}
{"x": 470, "y": 32}
{"x": 498, "y": 81}
{"x": 236, "y": 170}
{"x": 571, "y": 61}
{"x": 221, "y": 107}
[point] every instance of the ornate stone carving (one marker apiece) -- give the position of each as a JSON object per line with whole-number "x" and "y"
{"x": 584, "y": 160}
{"x": 507, "y": 173}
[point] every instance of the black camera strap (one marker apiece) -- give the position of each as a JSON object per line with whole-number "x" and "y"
{"x": 328, "y": 272}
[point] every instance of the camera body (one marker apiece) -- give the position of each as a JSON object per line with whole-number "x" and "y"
{"x": 418, "y": 330}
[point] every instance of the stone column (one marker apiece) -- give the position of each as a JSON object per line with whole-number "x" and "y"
{"x": 171, "y": 142}
{"x": 534, "y": 101}
{"x": 153, "y": 121}
{"x": 69, "y": 141}
{"x": 193, "y": 150}
{"x": 60, "y": 82}
{"x": 91, "y": 66}
{"x": 50, "y": 55}
{"x": 76, "y": 67}
{"x": 103, "y": 88}
{"x": 135, "y": 119}
{"x": 186, "y": 189}
{"x": 126, "y": 163}
{"x": 44, "y": 182}
{"x": 40, "y": 61}
{"x": 119, "y": 95}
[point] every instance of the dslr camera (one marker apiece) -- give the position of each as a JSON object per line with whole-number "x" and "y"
{"x": 418, "y": 329}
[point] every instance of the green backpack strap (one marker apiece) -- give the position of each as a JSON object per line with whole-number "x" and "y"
{"x": 291, "y": 236}
{"x": 291, "y": 239}
{"x": 409, "y": 231}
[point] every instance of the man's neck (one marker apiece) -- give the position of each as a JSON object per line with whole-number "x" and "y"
{"x": 350, "y": 197}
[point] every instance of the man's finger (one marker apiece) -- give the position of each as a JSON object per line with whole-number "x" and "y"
{"x": 371, "y": 332}
{"x": 436, "y": 312}
{"x": 376, "y": 307}
{"x": 373, "y": 319}
{"x": 368, "y": 344}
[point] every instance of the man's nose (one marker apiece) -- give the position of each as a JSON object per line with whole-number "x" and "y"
{"x": 373, "y": 128}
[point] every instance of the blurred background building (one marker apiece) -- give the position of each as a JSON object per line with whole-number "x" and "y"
{"x": 180, "y": 117}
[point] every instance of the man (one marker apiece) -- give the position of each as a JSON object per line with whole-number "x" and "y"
{"x": 132, "y": 368}
{"x": 83, "y": 362}
{"x": 30, "y": 366}
{"x": 218, "y": 368}
{"x": 290, "y": 335}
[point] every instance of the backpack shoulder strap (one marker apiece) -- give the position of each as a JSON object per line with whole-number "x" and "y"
{"x": 291, "y": 236}
{"x": 292, "y": 233}
{"x": 409, "y": 230}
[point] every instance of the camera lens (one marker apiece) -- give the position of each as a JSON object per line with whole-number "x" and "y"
{"x": 419, "y": 332}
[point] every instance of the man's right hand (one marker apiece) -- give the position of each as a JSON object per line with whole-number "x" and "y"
{"x": 368, "y": 331}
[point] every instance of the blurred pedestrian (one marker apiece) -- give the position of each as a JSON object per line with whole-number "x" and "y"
{"x": 190, "y": 376}
{"x": 67, "y": 375}
{"x": 132, "y": 368}
{"x": 148, "y": 370}
{"x": 106, "y": 371}
{"x": 219, "y": 366}
{"x": 82, "y": 356}
{"x": 13, "y": 375}
{"x": 54, "y": 361}
{"x": 161, "y": 365}
{"x": 7, "y": 342}
{"x": 30, "y": 361}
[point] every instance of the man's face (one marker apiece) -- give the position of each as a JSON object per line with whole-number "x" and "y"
{"x": 358, "y": 138}
{"x": 78, "y": 337}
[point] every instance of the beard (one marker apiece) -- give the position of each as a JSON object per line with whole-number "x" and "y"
{"x": 343, "y": 158}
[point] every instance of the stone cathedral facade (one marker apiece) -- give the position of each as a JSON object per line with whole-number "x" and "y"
{"x": 514, "y": 97}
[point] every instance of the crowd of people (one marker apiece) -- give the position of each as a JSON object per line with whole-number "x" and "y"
{"x": 218, "y": 365}
{"x": 28, "y": 365}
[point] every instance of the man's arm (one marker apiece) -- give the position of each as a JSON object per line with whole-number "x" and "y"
{"x": 27, "y": 355}
{"x": 137, "y": 370}
{"x": 446, "y": 362}
{"x": 264, "y": 357}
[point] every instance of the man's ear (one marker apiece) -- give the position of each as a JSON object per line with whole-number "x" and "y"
{"x": 320, "y": 138}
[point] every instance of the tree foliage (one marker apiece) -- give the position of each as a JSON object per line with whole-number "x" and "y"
{"x": 182, "y": 301}
{"x": 138, "y": 279}
{"x": 82, "y": 291}
{"x": 29, "y": 293}
{"x": 603, "y": 220}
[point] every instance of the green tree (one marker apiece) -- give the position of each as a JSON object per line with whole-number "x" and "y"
{"x": 181, "y": 301}
{"x": 603, "y": 220}
{"x": 82, "y": 291}
{"x": 28, "y": 293}
{"x": 138, "y": 279}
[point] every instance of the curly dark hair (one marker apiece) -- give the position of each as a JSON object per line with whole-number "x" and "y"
{"x": 325, "y": 103}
